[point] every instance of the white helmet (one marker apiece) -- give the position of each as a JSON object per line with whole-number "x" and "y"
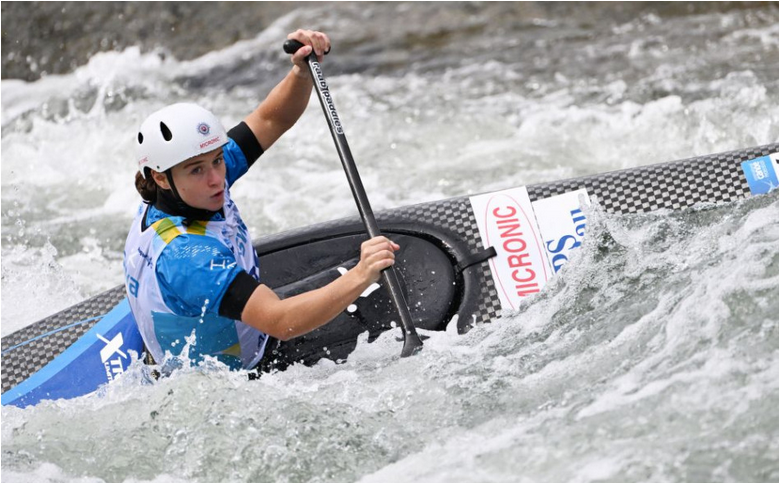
{"x": 174, "y": 134}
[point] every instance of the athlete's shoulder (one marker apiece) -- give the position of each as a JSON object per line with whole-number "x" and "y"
{"x": 241, "y": 151}
{"x": 235, "y": 160}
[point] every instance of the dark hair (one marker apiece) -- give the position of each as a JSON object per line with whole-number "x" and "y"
{"x": 147, "y": 187}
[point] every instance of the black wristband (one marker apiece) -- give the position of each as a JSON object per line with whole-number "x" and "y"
{"x": 247, "y": 141}
{"x": 237, "y": 295}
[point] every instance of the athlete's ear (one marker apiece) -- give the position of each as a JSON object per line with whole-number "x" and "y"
{"x": 161, "y": 179}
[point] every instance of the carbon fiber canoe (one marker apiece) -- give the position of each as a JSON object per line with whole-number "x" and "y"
{"x": 462, "y": 257}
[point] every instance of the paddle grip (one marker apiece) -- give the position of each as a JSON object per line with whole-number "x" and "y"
{"x": 291, "y": 46}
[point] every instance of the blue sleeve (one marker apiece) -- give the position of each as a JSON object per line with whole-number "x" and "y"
{"x": 194, "y": 273}
{"x": 236, "y": 163}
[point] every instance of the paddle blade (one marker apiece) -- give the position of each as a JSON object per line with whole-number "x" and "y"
{"x": 412, "y": 344}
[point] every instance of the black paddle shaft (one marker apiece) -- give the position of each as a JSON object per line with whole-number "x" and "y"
{"x": 412, "y": 343}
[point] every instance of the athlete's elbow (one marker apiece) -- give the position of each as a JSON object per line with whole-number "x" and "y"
{"x": 280, "y": 332}
{"x": 266, "y": 313}
{"x": 284, "y": 334}
{"x": 288, "y": 337}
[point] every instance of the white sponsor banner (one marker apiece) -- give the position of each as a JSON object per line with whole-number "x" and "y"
{"x": 507, "y": 222}
{"x": 562, "y": 225}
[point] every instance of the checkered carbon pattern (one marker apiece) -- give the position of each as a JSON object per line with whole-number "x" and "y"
{"x": 21, "y": 362}
{"x": 673, "y": 185}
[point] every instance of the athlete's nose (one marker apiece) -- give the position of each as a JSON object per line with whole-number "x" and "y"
{"x": 214, "y": 177}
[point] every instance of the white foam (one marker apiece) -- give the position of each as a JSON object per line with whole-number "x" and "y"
{"x": 658, "y": 329}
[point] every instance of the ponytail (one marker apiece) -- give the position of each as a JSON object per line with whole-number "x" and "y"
{"x": 147, "y": 187}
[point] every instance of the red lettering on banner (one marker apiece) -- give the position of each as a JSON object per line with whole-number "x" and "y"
{"x": 517, "y": 261}
{"x": 496, "y": 212}
{"x": 509, "y": 230}
{"x": 528, "y": 289}
{"x": 513, "y": 241}
{"x": 508, "y": 227}
{"x": 520, "y": 245}
{"x": 530, "y": 272}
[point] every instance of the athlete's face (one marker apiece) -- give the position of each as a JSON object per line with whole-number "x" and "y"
{"x": 200, "y": 180}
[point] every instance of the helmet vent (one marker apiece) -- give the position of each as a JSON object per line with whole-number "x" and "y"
{"x": 141, "y": 138}
{"x": 165, "y": 131}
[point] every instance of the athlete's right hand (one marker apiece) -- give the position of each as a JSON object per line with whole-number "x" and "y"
{"x": 377, "y": 255}
{"x": 313, "y": 41}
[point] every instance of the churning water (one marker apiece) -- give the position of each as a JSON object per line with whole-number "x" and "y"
{"x": 653, "y": 356}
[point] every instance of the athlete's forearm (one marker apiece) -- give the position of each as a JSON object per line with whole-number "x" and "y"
{"x": 308, "y": 311}
{"x": 295, "y": 316}
{"x": 287, "y": 101}
{"x": 300, "y": 314}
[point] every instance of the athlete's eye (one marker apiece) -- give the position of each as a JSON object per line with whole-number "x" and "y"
{"x": 196, "y": 170}
{"x": 218, "y": 161}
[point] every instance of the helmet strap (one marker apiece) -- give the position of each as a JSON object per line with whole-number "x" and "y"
{"x": 173, "y": 186}
{"x": 170, "y": 202}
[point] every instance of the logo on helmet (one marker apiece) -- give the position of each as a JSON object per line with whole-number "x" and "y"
{"x": 209, "y": 142}
{"x": 203, "y": 128}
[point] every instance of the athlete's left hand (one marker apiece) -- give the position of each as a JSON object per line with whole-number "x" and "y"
{"x": 313, "y": 41}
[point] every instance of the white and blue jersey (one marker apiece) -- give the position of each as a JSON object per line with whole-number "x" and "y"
{"x": 176, "y": 276}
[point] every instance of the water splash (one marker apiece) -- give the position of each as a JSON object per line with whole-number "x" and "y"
{"x": 651, "y": 357}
